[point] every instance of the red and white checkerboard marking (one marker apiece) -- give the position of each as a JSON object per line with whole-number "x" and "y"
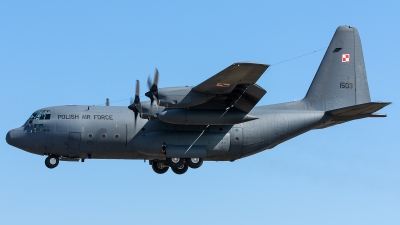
{"x": 345, "y": 57}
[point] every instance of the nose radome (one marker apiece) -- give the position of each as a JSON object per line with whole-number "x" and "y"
{"x": 9, "y": 138}
{"x": 14, "y": 136}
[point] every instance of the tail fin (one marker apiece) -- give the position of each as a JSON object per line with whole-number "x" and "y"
{"x": 341, "y": 80}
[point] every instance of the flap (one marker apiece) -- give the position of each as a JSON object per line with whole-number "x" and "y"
{"x": 250, "y": 98}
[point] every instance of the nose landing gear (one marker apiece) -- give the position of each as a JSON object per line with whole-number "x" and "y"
{"x": 52, "y": 161}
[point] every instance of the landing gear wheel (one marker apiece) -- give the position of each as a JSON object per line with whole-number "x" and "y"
{"x": 175, "y": 162}
{"x": 52, "y": 161}
{"x": 194, "y": 162}
{"x": 159, "y": 168}
{"x": 180, "y": 169}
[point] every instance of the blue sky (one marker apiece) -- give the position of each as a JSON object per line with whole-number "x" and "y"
{"x": 82, "y": 52}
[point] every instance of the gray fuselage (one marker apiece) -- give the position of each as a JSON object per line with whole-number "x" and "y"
{"x": 112, "y": 132}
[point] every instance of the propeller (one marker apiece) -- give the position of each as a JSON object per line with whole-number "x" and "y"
{"x": 135, "y": 105}
{"x": 153, "y": 88}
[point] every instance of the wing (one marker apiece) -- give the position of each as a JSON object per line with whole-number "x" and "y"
{"x": 237, "y": 74}
{"x": 234, "y": 86}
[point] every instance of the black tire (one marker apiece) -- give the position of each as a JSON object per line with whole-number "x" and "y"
{"x": 159, "y": 168}
{"x": 175, "y": 162}
{"x": 52, "y": 161}
{"x": 180, "y": 169}
{"x": 194, "y": 162}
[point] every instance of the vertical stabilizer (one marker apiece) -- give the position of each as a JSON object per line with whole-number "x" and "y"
{"x": 341, "y": 78}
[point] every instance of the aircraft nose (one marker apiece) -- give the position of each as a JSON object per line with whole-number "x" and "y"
{"x": 14, "y": 136}
{"x": 8, "y": 137}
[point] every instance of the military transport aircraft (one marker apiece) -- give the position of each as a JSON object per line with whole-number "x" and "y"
{"x": 214, "y": 121}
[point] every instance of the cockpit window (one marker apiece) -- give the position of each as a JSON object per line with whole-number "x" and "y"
{"x": 40, "y": 115}
{"x": 38, "y": 128}
{"x": 33, "y": 116}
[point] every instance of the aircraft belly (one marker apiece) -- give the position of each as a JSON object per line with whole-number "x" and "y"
{"x": 151, "y": 143}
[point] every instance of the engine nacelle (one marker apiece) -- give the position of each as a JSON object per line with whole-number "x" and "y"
{"x": 181, "y": 97}
{"x": 148, "y": 111}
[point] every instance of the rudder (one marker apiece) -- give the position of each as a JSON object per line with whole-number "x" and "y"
{"x": 341, "y": 79}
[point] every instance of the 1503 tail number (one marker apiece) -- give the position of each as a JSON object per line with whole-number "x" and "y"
{"x": 346, "y": 85}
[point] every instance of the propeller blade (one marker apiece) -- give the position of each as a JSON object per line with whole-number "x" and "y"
{"x": 137, "y": 92}
{"x": 156, "y": 78}
{"x": 149, "y": 82}
{"x": 153, "y": 88}
{"x": 135, "y": 105}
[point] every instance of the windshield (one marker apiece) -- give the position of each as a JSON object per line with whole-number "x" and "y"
{"x": 39, "y": 115}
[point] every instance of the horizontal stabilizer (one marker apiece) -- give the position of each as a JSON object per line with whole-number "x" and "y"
{"x": 354, "y": 112}
{"x": 362, "y": 109}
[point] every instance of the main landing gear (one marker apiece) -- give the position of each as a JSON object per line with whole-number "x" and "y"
{"x": 159, "y": 167}
{"x": 178, "y": 165}
{"x": 52, "y": 161}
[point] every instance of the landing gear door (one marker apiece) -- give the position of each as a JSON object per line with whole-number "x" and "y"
{"x": 74, "y": 143}
{"x": 236, "y": 141}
